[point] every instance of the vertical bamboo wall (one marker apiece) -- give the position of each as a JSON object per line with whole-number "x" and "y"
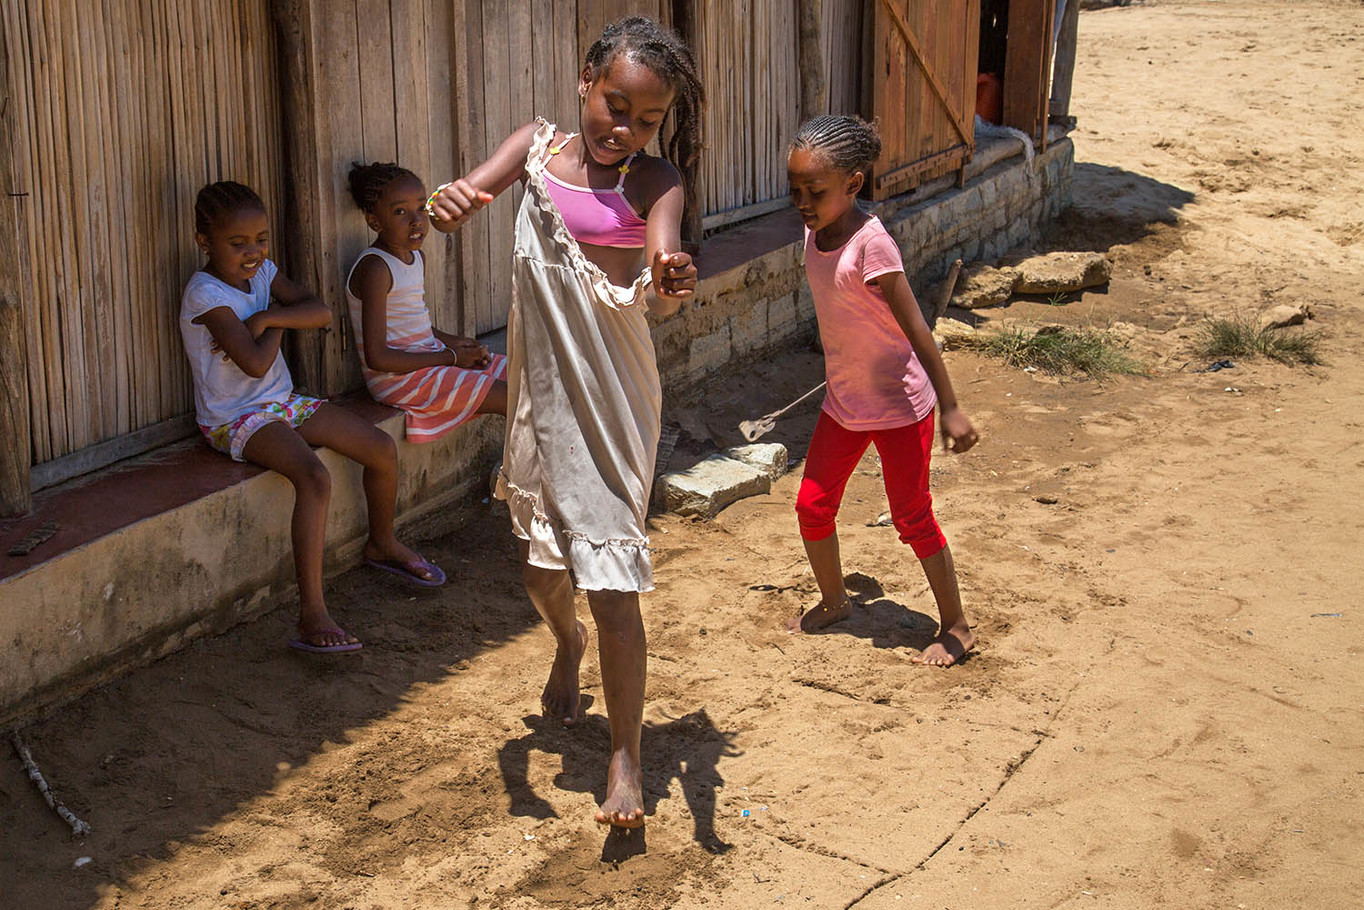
{"x": 748, "y": 52}
{"x": 126, "y": 108}
{"x": 843, "y": 52}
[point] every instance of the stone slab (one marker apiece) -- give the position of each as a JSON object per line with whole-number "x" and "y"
{"x": 1061, "y": 273}
{"x": 711, "y": 484}
{"x": 768, "y": 457}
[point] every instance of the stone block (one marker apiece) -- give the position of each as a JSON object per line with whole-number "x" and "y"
{"x": 1061, "y": 273}
{"x": 748, "y": 328}
{"x": 1277, "y": 317}
{"x": 983, "y": 285}
{"x": 782, "y": 319}
{"x": 950, "y": 333}
{"x": 709, "y": 485}
{"x": 709, "y": 352}
{"x": 768, "y": 457}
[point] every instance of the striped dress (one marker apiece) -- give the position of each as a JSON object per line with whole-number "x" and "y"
{"x": 434, "y": 399}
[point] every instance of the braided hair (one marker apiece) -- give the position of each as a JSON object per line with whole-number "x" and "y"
{"x": 218, "y": 199}
{"x": 367, "y": 182}
{"x": 664, "y": 52}
{"x": 850, "y": 144}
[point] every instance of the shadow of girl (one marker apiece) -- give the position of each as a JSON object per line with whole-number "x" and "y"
{"x": 687, "y": 749}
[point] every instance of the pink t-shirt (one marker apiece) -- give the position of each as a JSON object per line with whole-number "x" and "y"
{"x": 875, "y": 380}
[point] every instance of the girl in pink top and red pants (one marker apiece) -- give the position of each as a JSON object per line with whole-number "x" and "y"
{"x": 884, "y": 377}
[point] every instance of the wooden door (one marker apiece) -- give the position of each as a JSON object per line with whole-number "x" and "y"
{"x": 923, "y": 89}
{"x": 1027, "y": 66}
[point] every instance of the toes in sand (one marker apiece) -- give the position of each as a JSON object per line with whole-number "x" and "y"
{"x": 560, "y": 697}
{"x": 819, "y": 616}
{"x": 949, "y": 647}
{"x": 624, "y": 805}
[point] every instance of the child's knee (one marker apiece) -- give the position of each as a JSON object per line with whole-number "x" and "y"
{"x": 380, "y": 451}
{"x": 313, "y": 478}
{"x": 817, "y": 516}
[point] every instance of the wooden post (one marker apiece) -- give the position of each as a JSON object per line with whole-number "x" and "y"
{"x": 813, "y": 92}
{"x": 15, "y": 454}
{"x": 688, "y": 26}
{"x": 1027, "y": 65}
{"x": 1063, "y": 72}
{"x": 302, "y": 208}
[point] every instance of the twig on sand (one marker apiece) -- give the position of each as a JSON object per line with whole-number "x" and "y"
{"x": 78, "y": 828}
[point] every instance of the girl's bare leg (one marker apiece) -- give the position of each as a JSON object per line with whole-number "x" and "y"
{"x": 280, "y": 448}
{"x": 621, "y": 646}
{"x": 551, "y": 591}
{"x": 834, "y": 604}
{"x": 495, "y": 402}
{"x": 955, "y": 637}
{"x": 363, "y": 442}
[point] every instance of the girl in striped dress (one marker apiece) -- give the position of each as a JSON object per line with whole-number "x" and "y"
{"x": 438, "y": 380}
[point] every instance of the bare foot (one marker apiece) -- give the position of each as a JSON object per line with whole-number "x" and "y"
{"x": 819, "y": 616}
{"x": 624, "y": 806}
{"x": 949, "y": 647}
{"x": 560, "y": 698}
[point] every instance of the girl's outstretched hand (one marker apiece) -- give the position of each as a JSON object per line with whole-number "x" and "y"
{"x": 451, "y": 205}
{"x": 957, "y": 433}
{"x": 674, "y": 275}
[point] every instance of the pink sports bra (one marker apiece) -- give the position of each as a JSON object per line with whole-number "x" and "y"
{"x": 598, "y": 217}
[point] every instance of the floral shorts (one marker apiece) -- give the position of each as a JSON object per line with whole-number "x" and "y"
{"x": 231, "y": 438}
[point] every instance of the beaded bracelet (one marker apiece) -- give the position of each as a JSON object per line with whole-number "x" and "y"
{"x": 432, "y": 198}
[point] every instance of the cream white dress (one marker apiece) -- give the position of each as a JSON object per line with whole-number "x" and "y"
{"x": 583, "y": 402}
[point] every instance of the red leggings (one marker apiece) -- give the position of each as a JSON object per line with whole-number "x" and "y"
{"x": 835, "y": 452}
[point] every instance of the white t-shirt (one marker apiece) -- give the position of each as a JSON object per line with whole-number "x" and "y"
{"x": 222, "y": 391}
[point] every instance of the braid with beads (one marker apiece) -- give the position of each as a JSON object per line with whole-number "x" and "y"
{"x": 218, "y": 199}
{"x": 850, "y": 144}
{"x": 367, "y": 182}
{"x": 664, "y": 52}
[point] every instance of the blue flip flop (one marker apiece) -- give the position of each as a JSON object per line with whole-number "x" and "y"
{"x": 301, "y": 645}
{"x": 408, "y": 571}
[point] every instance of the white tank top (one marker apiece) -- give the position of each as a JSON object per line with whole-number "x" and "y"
{"x": 409, "y": 321}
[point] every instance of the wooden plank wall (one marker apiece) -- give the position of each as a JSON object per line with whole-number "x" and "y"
{"x": 381, "y": 90}
{"x": 748, "y": 52}
{"x": 123, "y": 110}
{"x": 1027, "y": 66}
{"x": 922, "y": 136}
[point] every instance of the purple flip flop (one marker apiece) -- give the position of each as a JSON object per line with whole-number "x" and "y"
{"x": 299, "y": 644}
{"x": 408, "y": 571}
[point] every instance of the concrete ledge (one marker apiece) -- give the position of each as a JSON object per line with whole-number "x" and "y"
{"x": 158, "y": 550}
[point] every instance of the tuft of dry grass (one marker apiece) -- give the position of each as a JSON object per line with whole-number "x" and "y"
{"x": 1057, "y": 350}
{"x": 1239, "y": 336}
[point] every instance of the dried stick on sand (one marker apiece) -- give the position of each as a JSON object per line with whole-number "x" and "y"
{"x": 78, "y": 827}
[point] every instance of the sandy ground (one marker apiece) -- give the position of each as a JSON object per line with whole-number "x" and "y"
{"x": 1165, "y": 708}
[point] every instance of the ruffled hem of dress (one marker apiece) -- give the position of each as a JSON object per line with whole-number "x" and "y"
{"x": 612, "y": 295}
{"x": 611, "y": 564}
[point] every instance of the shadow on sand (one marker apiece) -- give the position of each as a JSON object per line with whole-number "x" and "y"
{"x": 687, "y": 749}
